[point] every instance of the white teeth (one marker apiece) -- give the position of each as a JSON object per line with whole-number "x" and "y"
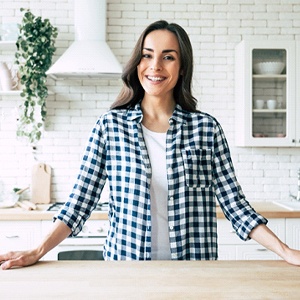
{"x": 155, "y": 78}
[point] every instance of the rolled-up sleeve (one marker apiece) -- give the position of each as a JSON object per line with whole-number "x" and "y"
{"x": 89, "y": 183}
{"x": 228, "y": 191}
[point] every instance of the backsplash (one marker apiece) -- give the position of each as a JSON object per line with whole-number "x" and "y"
{"x": 214, "y": 27}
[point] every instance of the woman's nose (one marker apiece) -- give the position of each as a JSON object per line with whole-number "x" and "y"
{"x": 156, "y": 66}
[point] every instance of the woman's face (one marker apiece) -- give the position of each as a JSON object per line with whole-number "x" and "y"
{"x": 159, "y": 67}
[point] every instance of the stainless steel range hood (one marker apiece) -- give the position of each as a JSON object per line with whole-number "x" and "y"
{"x": 89, "y": 55}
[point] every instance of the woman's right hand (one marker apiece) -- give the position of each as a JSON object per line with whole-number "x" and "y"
{"x": 19, "y": 258}
{"x": 57, "y": 234}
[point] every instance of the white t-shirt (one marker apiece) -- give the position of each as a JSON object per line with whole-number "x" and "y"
{"x": 156, "y": 146}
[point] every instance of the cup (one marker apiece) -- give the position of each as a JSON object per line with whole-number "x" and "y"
{"x": 271, "y": 104}
{"x": 259, "y": 104}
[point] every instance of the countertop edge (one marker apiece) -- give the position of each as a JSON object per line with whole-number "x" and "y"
{"x": 266, "y": 209}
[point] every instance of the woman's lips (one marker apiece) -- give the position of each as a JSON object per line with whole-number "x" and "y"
{"x": 155, "y": 78}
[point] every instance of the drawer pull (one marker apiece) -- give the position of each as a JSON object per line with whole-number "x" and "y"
{"x": 12, "y": 236}
{"x": 261, "y": 249}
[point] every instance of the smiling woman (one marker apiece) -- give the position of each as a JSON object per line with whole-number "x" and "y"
{"x": 159, "y": 67}
{"x": 132, "y": 91}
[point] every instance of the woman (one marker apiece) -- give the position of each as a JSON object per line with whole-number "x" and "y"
{"x": 165, "y": 163}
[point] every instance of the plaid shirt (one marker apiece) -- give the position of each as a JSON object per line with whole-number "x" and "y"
{"x": 199, "y": 168}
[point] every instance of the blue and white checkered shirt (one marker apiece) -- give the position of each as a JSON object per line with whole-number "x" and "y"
{"x": 199, "y": 168}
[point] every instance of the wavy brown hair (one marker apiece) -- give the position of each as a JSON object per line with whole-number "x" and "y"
{"x": 132, "y": 91}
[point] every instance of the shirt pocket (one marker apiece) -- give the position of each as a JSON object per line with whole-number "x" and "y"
{"x": 197, "y": 167}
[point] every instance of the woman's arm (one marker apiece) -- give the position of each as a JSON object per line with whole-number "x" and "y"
{"x": 58, "y": 233}
{"x": 264, "y": 236}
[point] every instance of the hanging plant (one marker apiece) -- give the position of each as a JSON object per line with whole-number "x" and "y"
{"x": 35, "y": 49}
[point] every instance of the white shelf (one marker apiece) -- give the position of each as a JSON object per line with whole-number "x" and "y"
{"x": 264, "y": 111}
{"x": 281, "y": 77}
{"x": 9, "y": 93}
{"x": 8, "y": 45}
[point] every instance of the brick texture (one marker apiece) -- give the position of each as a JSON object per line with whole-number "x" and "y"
{"x": 214, "y": 26}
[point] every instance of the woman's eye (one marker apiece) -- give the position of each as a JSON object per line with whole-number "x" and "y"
{"x": 169, "y": 57}
{"x": 146, "y": 55}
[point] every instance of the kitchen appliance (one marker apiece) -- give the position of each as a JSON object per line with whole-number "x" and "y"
{"x": 88, "y": 244}
{"x": 89, "y": 55}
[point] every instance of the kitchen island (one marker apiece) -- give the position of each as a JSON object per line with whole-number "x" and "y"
{"x": 152, "y": 280}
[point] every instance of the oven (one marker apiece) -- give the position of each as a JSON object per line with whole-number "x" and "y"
{"x": 87, "y": 245}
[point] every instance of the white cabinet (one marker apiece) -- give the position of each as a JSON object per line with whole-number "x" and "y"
{"x": 293, "y": 233}
{"x": 255, "y": 79}
{"x": 231, "y": 247}
{"x": 19, "y": 235}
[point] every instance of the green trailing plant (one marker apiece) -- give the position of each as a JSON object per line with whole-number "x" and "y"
{"x": 35, "y": 49}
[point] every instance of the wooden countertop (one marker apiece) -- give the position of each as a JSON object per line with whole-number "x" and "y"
{"x": 267, "y": 209}
{"x": 152, "y": 280}
{"x": 41, "y": 214}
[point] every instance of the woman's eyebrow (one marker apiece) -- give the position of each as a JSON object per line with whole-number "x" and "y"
{"x": 164, "y": 51}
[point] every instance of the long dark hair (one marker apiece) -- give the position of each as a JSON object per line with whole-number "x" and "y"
{"x": 132, "y": 91}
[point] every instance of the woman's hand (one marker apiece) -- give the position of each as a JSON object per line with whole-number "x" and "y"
{"x": 57, "y": 234}
{"x": 18, "y": 259}
{"x": 264, "y": 236}
{"x": 291, "y": 256}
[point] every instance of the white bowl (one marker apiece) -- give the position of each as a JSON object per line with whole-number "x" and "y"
{"x": 268, "y": 67}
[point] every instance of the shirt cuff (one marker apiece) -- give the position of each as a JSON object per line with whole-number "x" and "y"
{"x": 249, "y": 224}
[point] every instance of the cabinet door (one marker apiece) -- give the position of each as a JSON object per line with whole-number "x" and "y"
{"x": 265, "y": 96}
{"x": 19, "y": 235}
{"x": 255, "y": 252}
{"x": 293, "y": 233}
{"x": 226, "y": 252}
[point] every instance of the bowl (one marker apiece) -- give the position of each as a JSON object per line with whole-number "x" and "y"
{"x": 268, "y": 67}
{"x": 8, "y": 200}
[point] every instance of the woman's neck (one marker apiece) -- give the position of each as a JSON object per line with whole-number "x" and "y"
{"x": 156, "y": 113}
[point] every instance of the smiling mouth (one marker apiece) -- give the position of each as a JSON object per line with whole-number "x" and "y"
{"x": 155, "y": 78}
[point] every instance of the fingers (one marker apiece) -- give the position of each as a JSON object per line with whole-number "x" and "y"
{"x": 17, "y": 259}
{"x": 7, "y": 260}
{"x": 5, "y": 265}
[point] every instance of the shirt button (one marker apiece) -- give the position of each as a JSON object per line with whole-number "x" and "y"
{"x": 171, "y": 199}
{"x": 174, "y": 255}
{"x": 170, "y": 171}
{"x": 171, "y": 227}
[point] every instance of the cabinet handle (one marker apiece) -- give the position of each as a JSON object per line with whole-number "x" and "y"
{"x": 262, "y": 249}
{"x": 11, "y": 236}
{"x": 293, "y": 141}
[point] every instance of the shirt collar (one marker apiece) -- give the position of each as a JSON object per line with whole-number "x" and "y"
{"x": 179, "y": 115}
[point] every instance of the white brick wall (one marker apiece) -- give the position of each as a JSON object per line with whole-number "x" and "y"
{"x": 214, "y": 26}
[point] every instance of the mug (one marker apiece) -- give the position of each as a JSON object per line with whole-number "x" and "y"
{"x": 271, "y": 104}
{"x": 259, "y": 104}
